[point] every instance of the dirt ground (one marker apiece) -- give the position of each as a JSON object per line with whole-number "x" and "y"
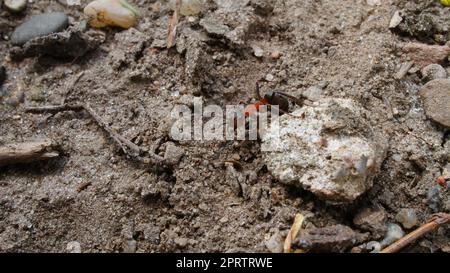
{"x": 344, "y": 47}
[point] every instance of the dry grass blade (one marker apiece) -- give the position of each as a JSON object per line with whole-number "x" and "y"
{"x": 171, "y": 35}
{"x": 435, "y": 222}
{"x": 296, "y": 226}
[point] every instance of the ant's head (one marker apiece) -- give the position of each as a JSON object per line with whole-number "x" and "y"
{"x": 269, "y": 96}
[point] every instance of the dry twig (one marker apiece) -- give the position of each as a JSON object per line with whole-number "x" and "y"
{"x": 27, "y": 152}
{"x": 172, "y": 34}
{"x": 128, "y": 147}
{"x": 435, "y": 222}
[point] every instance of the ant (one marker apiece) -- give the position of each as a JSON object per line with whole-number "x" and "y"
{"x": 272, "y": 98}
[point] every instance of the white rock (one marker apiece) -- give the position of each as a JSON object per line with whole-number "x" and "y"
{"x": 327, "y": 148}
{"x": 394, "y": 233}
{"x": 395, "y": 20}
{"x": 73, "y": 2}
{"x": 73, "y": 247}
{"x": 15, "y": 5}
{"x": 259, "y": 52}
{"x": 373, "y": 2}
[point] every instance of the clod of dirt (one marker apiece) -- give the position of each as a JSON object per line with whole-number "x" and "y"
{"x": 337, "y": 238}
{"x": 72, "y": 43}
{"x": 436, "y": 100}
{"x": 173, "y": 153}
{"x": 433, "y": 72}
{"x": 130, "y": 45}
{"x": 230, "y": 23}
{"x": 328, "y": 148}
{"x": 407, "y": 217}
{"x": 38, "y": 26}
{"x": 189, "y": 7}
{"x": 428, "y": 24}
{"x": 423, "y": 55}
{"x": 373, "y": 220}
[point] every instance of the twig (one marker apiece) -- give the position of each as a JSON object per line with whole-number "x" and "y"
{"x": 435, "y": 222}
{"x": 83, "y": 186}
{"x": 171, "y": 35}
{"x": 127, "y": 146}
{"x": 27, "y": 152}
{"x": 70, "y": 86}
{"x": 403, "y": 70}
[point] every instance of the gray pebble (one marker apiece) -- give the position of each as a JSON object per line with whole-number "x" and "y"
{"x": 275, "y": 243}
{"x": 39, "y": 25}
{"x": 434, "y": 198}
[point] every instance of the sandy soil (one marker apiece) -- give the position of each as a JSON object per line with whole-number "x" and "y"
{"x": 344, "y": 46}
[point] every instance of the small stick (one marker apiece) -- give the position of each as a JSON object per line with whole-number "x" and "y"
{"x": 70, "y": 86}
{"x": 26, "y": 152}
{"x": 171, "y": 35}
{"x": 127, "y": 146}
{"x": 83, "y": 186}
{"x": 403, "y": 70}
{"x": 436, "y": 221}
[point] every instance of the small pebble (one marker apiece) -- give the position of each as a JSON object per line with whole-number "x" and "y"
{"x": 259, "y": 52}
{"x": 15, "y": 6}
{"x": 181, "y": 242}
{"x": 373, "y": 2}
{"x": 407, "y": 217}
{"x": 73, "y": 247}
{"x": 436, "y": 100}
{"x": 269, "y": 77}
{"x": 39, "y": 25}
{"x": 433, "y": 72}
{"x": 394, "y": 233}
{"x": 276, "y": 55}
{"x": 275, "y": 243}
{"x": 118, "y": 13}
{"x": 434, "y": 198}
{"x": 313, "y": 93}
{"x": 130, "y": 247}
{"x": 173, "y": 153}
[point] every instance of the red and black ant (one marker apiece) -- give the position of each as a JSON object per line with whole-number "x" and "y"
{"x": 272, "y": 98}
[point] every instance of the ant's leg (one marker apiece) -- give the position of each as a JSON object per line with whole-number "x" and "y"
{"x": 298, "y": 101}
{"x": 258, "y": 96}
